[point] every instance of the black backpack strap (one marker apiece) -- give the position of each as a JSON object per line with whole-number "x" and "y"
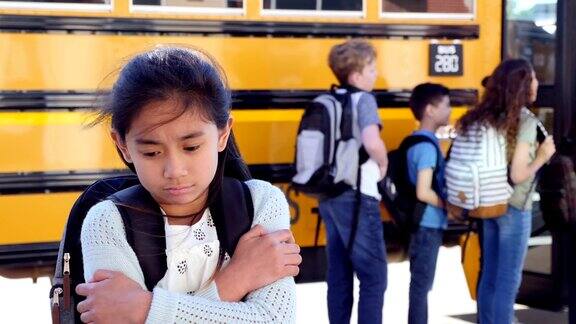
{"x": 413, "y": 140}
{"x": 145, "y": 232}
{"x": 348, "y": 110}
{"x": 541, "y": 134}
{"x": 357, "y": 205}
{"x": 233, "y": 213}
{"x": 347, "y": 119}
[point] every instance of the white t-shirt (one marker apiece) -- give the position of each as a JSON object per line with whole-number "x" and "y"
{"x": 370, "y": 173}
{"x": 191, "y": 255}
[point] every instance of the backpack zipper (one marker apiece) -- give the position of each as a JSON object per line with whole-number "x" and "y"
{"x": 66, "y": 283}
{"x": 55, "y": 305}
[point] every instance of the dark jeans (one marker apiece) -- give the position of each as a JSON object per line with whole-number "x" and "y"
{"x": 504, "y": 247}
{"x": 368, "y": 258}
{"x": 424, "y": 246}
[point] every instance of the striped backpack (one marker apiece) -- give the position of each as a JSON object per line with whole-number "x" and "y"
{"x": 477, "y": 173}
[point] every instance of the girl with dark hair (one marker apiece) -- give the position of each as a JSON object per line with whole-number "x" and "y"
{"x": 510, "y": 89}
{"x": 171, "y": 123}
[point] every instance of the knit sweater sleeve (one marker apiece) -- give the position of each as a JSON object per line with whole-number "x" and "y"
{"x": 104, "y": 246}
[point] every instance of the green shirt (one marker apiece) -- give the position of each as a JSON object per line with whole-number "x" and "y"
{"x": 526, "y": 134}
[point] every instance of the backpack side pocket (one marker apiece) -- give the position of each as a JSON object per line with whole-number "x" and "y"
{"x": 310, "y": 155}
{"x": 462, "y": 184}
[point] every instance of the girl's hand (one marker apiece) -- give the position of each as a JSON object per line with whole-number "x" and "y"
{"x": 111, "y": 297}
{"x": 259, "y": 260}
{"x": 547, "y": 149}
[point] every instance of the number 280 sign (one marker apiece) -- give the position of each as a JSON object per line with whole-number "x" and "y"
{"x": 446, "y": 59}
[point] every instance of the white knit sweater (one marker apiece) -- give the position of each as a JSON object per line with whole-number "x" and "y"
{"x": 104, "y": 246}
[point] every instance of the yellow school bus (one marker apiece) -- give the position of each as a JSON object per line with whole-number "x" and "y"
{"x": 57, "y": 57}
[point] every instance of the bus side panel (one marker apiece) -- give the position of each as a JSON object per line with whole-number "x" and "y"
{"x": 52, "y": 61}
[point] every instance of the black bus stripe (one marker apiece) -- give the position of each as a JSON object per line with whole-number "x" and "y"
{"x": 36, "y": 23}
{"x": 241, "y": 99}
{"x": 51, "y": 182}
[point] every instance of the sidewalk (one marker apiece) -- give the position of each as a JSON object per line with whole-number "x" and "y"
{"x": 21, "y": 301}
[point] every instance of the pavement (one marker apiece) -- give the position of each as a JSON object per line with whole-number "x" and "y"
{"x": 22, "y": 301}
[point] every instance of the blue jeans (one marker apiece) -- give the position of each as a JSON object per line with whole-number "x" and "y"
{"x": 368, "y": 258}
{"x": 504, "y": 246}
{"x": 424, "y": 246}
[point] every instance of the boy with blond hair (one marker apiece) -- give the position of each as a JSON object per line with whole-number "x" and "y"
{"x": 355, "y": 239}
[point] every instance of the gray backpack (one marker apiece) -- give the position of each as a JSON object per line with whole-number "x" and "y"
{"x": 328, "y": 145}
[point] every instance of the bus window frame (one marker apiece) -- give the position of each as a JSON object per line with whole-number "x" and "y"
{"x": 361, "y": 14}
{"x": 428, "y": 15}
{"x": 545, "y": 90}
{"x": 57, "y": 6}
{"x": 182, "y": 10}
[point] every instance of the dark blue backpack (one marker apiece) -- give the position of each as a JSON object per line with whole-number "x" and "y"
{"x": 398, "y": 192}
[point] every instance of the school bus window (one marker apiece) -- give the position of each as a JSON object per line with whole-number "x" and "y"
{"x": 50, "y": 4}
{"x": 61, "y": 1}
{"x": 189, "y": 4}
{"x": 319, "y": 6}
{"x": 428, "y": 8}
{"x": 531, "y": 34}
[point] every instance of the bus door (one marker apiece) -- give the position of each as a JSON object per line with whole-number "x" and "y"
{"x": 541, "y": 31}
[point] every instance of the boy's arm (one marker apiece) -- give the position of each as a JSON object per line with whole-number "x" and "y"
{"x": 375, "y": 146}
{"x": 424, "y": 157}
{"x": 424, "y": 191}
{"x": 370, "y": 124}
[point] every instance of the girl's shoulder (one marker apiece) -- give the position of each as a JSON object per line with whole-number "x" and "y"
{"x": 103, "y": 209}
{"x": 264, "y": 192}
{"x": 103, "y": 217}
{"x": 103, "y": 226}
{"x": 270, "y": 205}
{"x": 259, "y": 187}
{"x": 527, "y": 116}
{"x": 528, "y": 124}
